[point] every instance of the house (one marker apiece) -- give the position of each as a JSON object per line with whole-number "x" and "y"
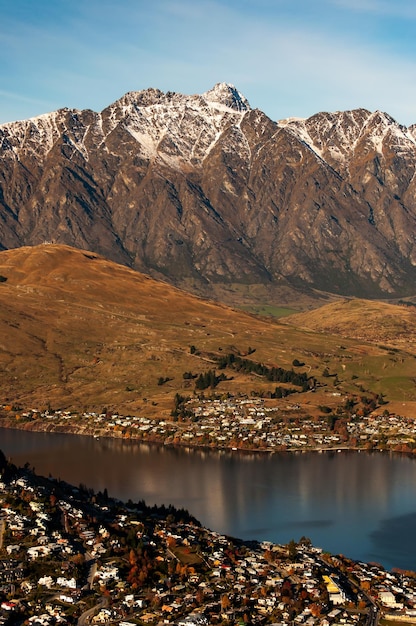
{"x": 194, "y": 619}
{"x": 148, "y": 617}
{"x": 66, "y": 598}
{"x": 388, "y": 599}
{"x": 71, "y": 583}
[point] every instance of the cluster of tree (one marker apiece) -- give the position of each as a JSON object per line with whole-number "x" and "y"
{"x": 7, "y": 469}
{"x": 179, "y": 407}
{"x": 188, "y": 375}
{"x": 3, "y": 461}
{"x": 274, "y": 374}
{"x": 208, "y": 379}
{"x": 168, "y": 512}
{"x": 282, "y": 392}
{"x": 369, "y": 404}
{"x": 142, "y": 565}
{"x": 163, "y": 379}
{"x": 297, "y": 363}
{"x": 406, "y": 303}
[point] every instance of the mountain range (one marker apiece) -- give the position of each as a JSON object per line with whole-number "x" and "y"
{"x": 213, "y": 196}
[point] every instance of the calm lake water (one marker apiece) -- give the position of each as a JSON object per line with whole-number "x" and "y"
{"x": 361, "y": 505}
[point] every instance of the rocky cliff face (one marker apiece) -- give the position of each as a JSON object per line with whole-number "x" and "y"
{"x": 210, "y": 194}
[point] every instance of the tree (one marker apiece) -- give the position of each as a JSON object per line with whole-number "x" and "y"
{"x": 225, "y": 602}
{"x": 208, "y": 379}
{"x": 297, "y": 363}
{"x": 331, "y": 420}
{"x": 3, "y": 461}
{"x": 132, "y": 557}
{"x": 305, "y": 541}
{"x": 292, "y": 549}
{"x": 180, "y": 409}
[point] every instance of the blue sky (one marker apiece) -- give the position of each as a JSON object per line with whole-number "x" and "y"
{"x": 288, "y": 57}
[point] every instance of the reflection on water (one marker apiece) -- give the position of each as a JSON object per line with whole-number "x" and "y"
{"x": 360, "y": 505}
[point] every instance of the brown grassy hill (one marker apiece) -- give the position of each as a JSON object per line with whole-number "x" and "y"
{"x": 372, "y": 326}
{"x": 372, "y": 321}
{"x": 80, "y": 332}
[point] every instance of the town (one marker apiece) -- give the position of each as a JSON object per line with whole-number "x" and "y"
{"x": 72, "y": 556}
{"x": 237, "y": 423}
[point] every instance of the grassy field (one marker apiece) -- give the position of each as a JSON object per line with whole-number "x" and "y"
{"x": 268, "y": 310}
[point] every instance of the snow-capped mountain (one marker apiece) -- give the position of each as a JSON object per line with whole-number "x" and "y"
{"x": 209, "y": 193}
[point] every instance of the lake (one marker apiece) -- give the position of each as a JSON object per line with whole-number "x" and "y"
{"x": 362, "y": 505}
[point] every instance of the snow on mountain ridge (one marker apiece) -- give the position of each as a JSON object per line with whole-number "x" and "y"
{"x": 168, "y": 125}
{"x": 335, "y": 137}
{"x": 194, "y": 124}
{"x": 228, "y": 95}
{"x": 37, "y": 134}
{"x": 175, "y": 127}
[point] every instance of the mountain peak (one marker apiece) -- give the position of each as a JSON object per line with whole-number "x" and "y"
{"x": 228, "y": 95}
{"x": 206, "y": 193}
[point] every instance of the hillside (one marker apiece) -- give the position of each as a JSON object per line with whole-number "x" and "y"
{"x": 214, "y": 197}
{"x": 372, "y": 321}
{"x": 80, "y": 332}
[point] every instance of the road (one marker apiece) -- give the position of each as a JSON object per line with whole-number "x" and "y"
{"x": 84, "y": 619}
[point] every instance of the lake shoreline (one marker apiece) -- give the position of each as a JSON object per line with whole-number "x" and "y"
{"x": 334, "y": 499}
{"x": 69, "y": 429}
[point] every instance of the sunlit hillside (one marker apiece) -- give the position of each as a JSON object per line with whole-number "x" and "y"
{"x": 80, "y": 332}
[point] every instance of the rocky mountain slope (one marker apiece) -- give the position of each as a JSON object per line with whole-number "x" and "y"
{"x": 217, "y": 198}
